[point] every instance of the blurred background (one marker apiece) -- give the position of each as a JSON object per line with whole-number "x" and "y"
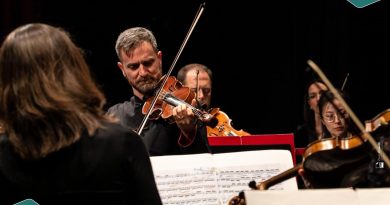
{"x": 257, "y": 50}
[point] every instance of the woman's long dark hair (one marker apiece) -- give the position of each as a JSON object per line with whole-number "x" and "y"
{"x": 308, "y": 113}
{"x": 47, "y": 95}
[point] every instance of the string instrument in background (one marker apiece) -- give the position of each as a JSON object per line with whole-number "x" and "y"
{"x": 382, "y": 119}
{"x": 349, "y": 150}
{"x": 174, "y": 94}
{"x": 223, "y": 127}
{"x": 351, "y": 155}
{"x": 222, "y": 123}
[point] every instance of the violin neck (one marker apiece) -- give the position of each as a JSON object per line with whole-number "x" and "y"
{"x": 170, "y": 99}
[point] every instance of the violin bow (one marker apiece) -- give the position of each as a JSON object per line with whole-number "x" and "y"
{"x": 197, "y": 89}
{"x": 153, "y": 103}
{"x": 345, "y": 82}
{"x": 359, "y": 124}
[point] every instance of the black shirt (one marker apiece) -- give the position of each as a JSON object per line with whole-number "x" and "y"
{"x": 159, "y": 136}
{"x": 111, "y": 167}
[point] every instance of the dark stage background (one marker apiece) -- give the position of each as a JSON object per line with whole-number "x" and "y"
{"x": 257, "y": 50}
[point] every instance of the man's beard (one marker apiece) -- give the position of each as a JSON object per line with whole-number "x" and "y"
{"x": 146, "y": 85}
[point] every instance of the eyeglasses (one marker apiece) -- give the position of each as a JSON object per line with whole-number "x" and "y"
{"x": 331, "y": 117}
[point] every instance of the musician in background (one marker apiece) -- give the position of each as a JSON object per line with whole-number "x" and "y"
{"x": 330, "y": 168}
{"x": 312, "y": 128}
{"x": 198, "y": 78}
{"x": 335, "y": 120}
{"x": 140, "y": 62}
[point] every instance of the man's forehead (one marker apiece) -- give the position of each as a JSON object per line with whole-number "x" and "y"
{"x": 194, "y": 72}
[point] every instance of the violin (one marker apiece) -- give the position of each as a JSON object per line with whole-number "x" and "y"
{"x": 173, "y": 94}
{"x": 313, "y": 159}
{"x": 378, "y": 121}
{"x": 322, "y": 160}
{"x": 223, "y": 127}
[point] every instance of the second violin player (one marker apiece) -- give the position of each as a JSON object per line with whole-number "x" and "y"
{"x": 140, "y": 63}
{"x": 198, "y": 78}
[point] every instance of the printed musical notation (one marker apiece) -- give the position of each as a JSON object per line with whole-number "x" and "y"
{"x": 209, "y": 181}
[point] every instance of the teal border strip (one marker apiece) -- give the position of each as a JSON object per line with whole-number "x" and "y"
{"x": 362, "y": 3}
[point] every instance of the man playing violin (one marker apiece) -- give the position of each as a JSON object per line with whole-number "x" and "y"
{"x": 198, "y": 78}
{"x": 140, "y": 62}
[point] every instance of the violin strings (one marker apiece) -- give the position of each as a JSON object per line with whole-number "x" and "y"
{"x": 197, "y": 112}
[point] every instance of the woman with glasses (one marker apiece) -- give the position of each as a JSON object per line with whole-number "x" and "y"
{"x": 335, "y": 120}
{"x": 338, "y": 152}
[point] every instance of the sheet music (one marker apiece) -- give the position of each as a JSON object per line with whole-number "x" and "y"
{"x": 207, "y": 179}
